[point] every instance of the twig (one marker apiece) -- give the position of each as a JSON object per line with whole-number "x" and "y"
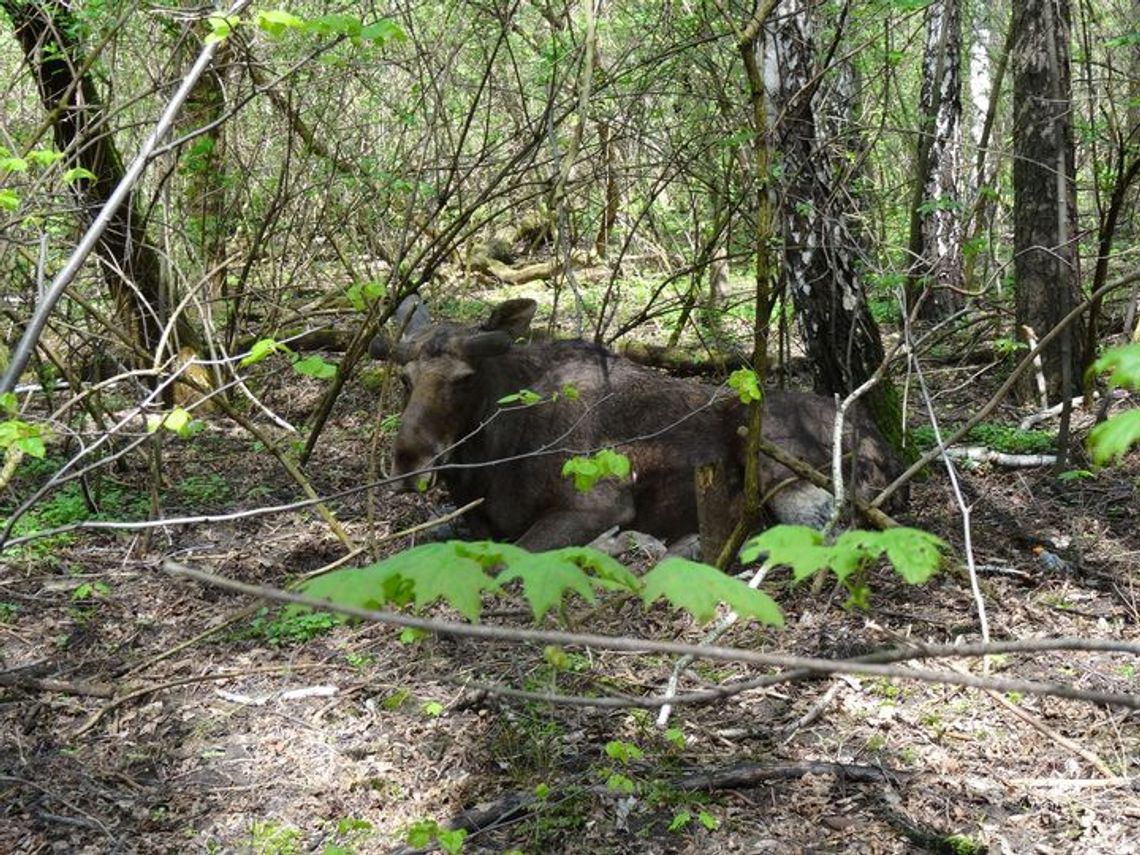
{"x": 965, "y": 509}
{"x": 1065, "y": 743}
{"x": 722, "y": 626}
{"x": 98, "y": 715}
{"x": 63, "y": 687}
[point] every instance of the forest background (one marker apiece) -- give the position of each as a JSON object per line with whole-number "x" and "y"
{"x": 937, "y": 197}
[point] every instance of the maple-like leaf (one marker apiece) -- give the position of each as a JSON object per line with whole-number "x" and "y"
{"x": 698, "y": 588}
{"x": 795, "y": 546}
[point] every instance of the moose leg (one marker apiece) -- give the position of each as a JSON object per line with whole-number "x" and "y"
{"x": 802, "y": 503}
{"x": 581, "y": 523}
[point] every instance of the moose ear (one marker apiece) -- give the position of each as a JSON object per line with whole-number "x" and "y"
{"x": 512, "y": 317}
{"x": 411, "y": 316}
{"x": 482, "y": 344}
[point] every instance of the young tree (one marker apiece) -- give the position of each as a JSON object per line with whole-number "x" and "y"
{"x": 75, "y": 107}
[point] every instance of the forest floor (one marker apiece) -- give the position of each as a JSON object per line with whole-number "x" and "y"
{"x": 180, "y": 722}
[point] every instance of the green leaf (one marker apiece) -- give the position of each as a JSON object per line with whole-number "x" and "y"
{"x": 262, "y": 349}
{"x": 698, "y": 588}
{"x": 452, "y": 572}
{"x": 709, "y": 821}
{"x": 1113, "y": 438}
{"x": 384, "y": 30}
{"x": 314, "y": 366}
{"x": 335, "y": 25}
{"x": 44, "y": 156}
{"x": 795, "y": 546}
{"x": 77, "y": 174}
{"x": 680, "y": 821}
{"x": 9, "y": 200}
{"x": 524, "y": 396}
{"x": 746, "y": 384}
{"x": 363, "y": 294}
{"x": 546, "y": 579}
{"x": 1123, "y": 362}
{"x": 623, "y": 752}
{"x": 9, "y": 403}
{"x": 548, "y": 576}
{"x": 420, "y": 834}
{"x": 276, "y": 21}
{"x": 853, "y": 550}
{"x": 588, "y": 471}
{"x": 13, "y": 164}
{"x": 915, "y": 554}
{"x": 221, "y": 26}
{"x": 451, "y": 840}
{"x": 31, "y": 445}
{"x": 23, "y": 435}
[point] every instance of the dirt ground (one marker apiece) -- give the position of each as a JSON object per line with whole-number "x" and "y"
{"x": 145, "y": 713}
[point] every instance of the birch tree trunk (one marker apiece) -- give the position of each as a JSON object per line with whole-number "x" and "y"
{"x": 936, "y": 213}
{"x": 824, "y": 244}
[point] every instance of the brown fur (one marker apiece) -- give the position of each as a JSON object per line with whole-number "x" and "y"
{"x": 512, "y": 455}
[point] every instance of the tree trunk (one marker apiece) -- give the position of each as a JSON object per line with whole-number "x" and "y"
{"x": 130, "y": 264}
{"x": 936, "y": 215}
{"x": 1044, "y": 185}
{"x": 824, "y": 242}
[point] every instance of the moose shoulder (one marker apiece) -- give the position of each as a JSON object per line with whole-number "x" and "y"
{"x": 511, "y": 455}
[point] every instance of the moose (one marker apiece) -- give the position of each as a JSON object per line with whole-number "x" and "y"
{"x": 466, "y": 421}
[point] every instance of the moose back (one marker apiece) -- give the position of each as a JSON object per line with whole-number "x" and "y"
{"x": 511, "y": 455}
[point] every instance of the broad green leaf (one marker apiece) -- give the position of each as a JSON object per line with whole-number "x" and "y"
{"x": 698, "y": 588}
{"x": 915, "y": 554}
{"x": 44, "y": 156}
{"x": 23, "y": 435}
{"x": 384, "y": 30}
{"x": 362, "y": 294}
{"x": 277, "y": 21}
{"x": 9, "y": 403}
{"x": 607, "y": 571}
{"x": 77, "y": 174}
{"x": 32, "y": 445}
{"x": 221, "y": 26}
{"x": 9, "y": 200}
{"x": 746, "y": 384}
{"x": 1123, "y": 362}
{"x": 588, "y": 471}
{"x": 1113, "y": 438}
{"x": 795, "y": 546}
{"x": 13, "y": 164}
{"x": 545, "y": 580}
{"x": 177, "y": 420}
{"x": 853, "y": 550}
{"x": 263, "y": 348}
{"x": 335, "y": 25}
{"x": 435, "y": 571}
{"x": 314, "y": 366}
{"x": 548, "y": 576}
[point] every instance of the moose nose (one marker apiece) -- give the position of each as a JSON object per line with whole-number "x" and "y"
{"x": 415, "y": 483}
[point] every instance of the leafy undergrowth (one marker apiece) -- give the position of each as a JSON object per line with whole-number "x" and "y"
{"x": 289, "y": 732}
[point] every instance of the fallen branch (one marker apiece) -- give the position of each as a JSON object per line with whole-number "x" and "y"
{"x": 725, "y": 654}
{"x": 981, "y": 454}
